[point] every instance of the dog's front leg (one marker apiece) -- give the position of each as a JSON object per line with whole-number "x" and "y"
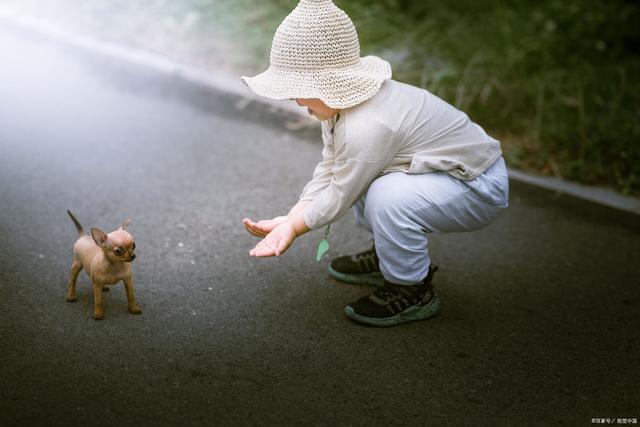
{"x": 131, "y": 298}
{"x": 98, "y": 313}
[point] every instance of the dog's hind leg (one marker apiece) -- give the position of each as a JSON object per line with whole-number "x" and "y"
{"x": 71, "y": 285}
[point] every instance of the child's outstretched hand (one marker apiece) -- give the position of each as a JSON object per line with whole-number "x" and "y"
{"x": 263, "y": 227}
{"x": 276, "y": 242}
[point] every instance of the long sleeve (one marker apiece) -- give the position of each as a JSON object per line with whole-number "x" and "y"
{"x": 323, "y": 171}
{"x": 363, "y": 148}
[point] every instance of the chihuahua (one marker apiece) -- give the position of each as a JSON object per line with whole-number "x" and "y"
{"x": 106, "y": 259}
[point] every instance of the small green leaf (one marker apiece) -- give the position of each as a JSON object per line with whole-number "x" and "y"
{"x": 323, "y": 247}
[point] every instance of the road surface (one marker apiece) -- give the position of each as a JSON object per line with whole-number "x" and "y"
{"x": 540, "y": 321}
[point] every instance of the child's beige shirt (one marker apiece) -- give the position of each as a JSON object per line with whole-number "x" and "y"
{"x": 401, "y": 128}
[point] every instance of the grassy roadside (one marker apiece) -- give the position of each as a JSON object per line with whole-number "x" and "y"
{"x": 557, "y": 81}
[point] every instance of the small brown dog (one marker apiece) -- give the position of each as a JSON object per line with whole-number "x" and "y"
{"x": 106, "y": 259}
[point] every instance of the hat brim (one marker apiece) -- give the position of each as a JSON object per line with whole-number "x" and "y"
{"x": 338, "y": 88}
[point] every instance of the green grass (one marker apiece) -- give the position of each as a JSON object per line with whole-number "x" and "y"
{"x": 557, "y": 81}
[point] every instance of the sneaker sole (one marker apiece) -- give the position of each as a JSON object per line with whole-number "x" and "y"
{"x": 375, "y": 279}
{"x": 409, "y": 315}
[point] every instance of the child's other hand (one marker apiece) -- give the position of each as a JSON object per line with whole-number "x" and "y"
{"x": 263, "y": 227}
{"x": 276, "y": 242}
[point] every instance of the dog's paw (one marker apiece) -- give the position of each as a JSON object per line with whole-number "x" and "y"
{"x": 98, "y": 316}
{"x": 135, "y": 310}
{"x": 72, "y": 299}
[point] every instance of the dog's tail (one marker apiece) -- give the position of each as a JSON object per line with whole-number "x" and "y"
{"x": 76, "y": 222}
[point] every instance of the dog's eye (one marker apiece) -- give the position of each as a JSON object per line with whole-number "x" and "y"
{"x": 133, "y": 245}
{"x": 118, "y": 251}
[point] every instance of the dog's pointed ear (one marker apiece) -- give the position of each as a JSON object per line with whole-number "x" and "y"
{"x": 99, "y": 236}
{"x": 125, "y": 224}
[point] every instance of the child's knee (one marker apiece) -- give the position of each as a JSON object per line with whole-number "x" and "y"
{"x": 387, "y": 205}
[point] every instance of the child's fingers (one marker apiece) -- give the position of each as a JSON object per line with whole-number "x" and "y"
{"x": 281, "y": 247}
{"x": 250, "y": 226}
{"x": 264, "y": 224}
{"x": 253, "y": 231}
{"x": 264, "y": 252}
{"x": 255, "y": 223}
{"x": 259, "y": 227}
{"x": 263, "y": 249}
{"x": 259, "y": 232}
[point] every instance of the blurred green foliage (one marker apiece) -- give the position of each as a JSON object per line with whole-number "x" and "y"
{"x": 557, "y": 81}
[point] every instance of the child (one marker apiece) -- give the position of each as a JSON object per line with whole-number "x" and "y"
{"x": 406, "y": 161}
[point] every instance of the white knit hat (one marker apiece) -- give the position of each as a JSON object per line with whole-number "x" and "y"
{"x": 316, "y": 54}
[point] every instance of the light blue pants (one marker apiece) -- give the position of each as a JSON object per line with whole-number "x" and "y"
{"x": 399, "y": 210}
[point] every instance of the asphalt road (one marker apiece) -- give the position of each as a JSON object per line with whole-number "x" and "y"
{"x": 540, "y": 321}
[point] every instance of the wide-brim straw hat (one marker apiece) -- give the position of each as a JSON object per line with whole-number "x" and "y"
{"x": 316, "y": 54}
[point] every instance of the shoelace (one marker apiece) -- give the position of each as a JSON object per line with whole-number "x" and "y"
{"x": 366, "y": 254}
{"x": 368, "y": 259}
{"x": 388, "y": 294}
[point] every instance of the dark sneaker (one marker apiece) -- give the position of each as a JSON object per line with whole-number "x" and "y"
{"x": 394, "y": 304}
{"x": 361, "y": 269}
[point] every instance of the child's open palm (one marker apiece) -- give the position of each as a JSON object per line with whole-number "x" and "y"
{"x": 276, "y": 242}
